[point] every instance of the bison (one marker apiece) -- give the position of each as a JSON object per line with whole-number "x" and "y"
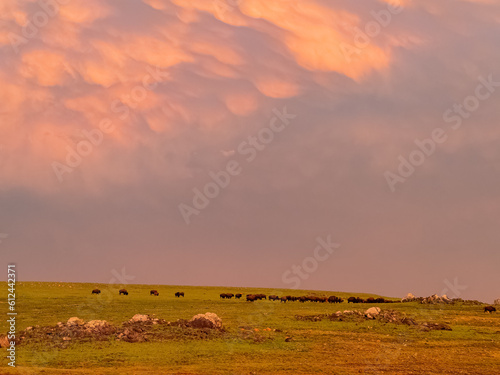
{"x": 154, "y": 293}
{"x": 355, "y": 300}
{"x": 238, "y": 295}
{"x": 178, "y": 294}
{"x": 251, "y": 297}
{"x": 335, "y": 299}
{"x": 96, "y": 291}
{"x": 489, "y": 309}
{"x": 123, "y": 291}
{"x": 273, "y": 298}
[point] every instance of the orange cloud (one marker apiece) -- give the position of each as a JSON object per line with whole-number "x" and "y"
{"x": 47, "y": 68}
{"x": 84, "y": 11}
{"x": 277, "y": 88}
{"x": 241, "y": 104}
{"x": 316, "y": 34}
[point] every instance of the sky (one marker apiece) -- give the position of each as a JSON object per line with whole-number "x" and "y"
{"x": 313, "y": 144}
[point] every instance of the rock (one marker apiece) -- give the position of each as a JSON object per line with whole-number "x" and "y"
{"x": 74, "y": 321}
{"x": 436, "y": 299}
{"x": 409, "y": 298}
{"x": 66, "y": 338}
{"x": 96, "y": 324}
{"x": 4, "y": 342}
{"x": 139, "y": 318}
{"x": 208, "y": 320}
{"x": 408, "y": 321}
{"x": 435, "y": 326}
{"x": 497, "y": 302}
{"x": 372, "y": 312}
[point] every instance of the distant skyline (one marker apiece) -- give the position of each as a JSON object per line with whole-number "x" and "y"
{"x": 330, "y": 145}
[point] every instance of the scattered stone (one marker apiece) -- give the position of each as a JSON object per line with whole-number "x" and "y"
{"x": 4, "y": 341}
{"x": 435, "y": 327}
{"x": 97, "y": 325}
{"x": 140, "y": 318}
{"x": 408, "y": 321}
{"x": 409, "y": 298}
{"x": 66, "y": 338}
{"x": 497, "y": 302}
{"x": 372, "y": 312}
{"x": 74, "y": 321}
{"x": 208, "y": 320}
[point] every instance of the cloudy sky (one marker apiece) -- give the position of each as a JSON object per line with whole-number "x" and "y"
{"x": 220, "y": 142}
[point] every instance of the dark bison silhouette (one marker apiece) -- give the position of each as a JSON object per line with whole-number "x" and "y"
{"x": 238, "y": 295}
{"x": 251, "y": 297}
{"x": 154, "y": 293}
{"x": 335, "y": 299}
{"x": 123, "y": 291}
{"x": 273, "y": 298}
{"x": 355, "y": 300}
{"x": 489, "y": 309}
{"x": 96, "y": 291}
{"x": 178, "y": 294}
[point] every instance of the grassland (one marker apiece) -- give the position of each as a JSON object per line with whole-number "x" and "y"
{"x": 246, "y": 346}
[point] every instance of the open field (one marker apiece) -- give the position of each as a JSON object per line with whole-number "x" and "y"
{"x": 261, "y": 337}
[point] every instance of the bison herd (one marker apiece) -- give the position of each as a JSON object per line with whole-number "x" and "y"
{"x": 284, "y": 299}
{"x": 152, "y": 292}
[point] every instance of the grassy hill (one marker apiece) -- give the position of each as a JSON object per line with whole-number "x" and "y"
{"x": 261, "y": 337}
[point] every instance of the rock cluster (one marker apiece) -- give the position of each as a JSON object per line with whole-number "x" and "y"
{"x": 374, "y": 313}
{"x": 434, "y": 299}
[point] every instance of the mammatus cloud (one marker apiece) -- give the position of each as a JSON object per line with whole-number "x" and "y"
{"x": 81, "y": 58}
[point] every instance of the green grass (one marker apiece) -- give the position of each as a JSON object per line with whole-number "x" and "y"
{"x": 322, "y": 347}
